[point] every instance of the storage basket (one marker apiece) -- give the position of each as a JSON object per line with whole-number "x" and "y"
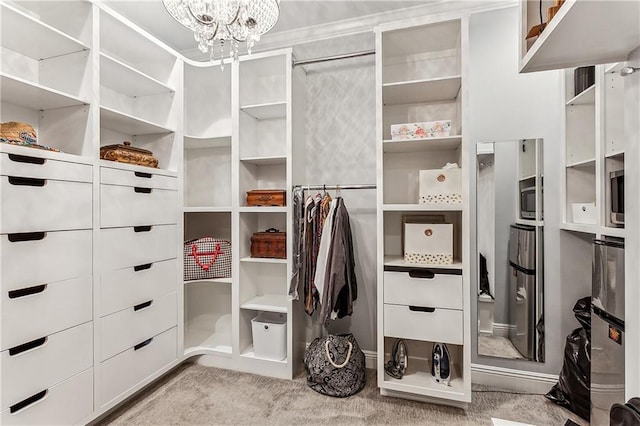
{"x": 429, "y": 243}
{"x": 441, "y": 186}
{"x": 269, "y": 331}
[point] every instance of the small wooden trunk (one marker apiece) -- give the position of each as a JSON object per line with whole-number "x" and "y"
{"x": 269, "y": 244}
{"x": 266, "y": 197}
{"x": 126, "y": 153}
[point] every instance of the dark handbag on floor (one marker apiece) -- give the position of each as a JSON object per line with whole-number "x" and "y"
{"x": 335, "y": 365}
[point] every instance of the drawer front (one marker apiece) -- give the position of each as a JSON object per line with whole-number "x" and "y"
{"x": 122, "y": 372}
{"x": 33, "y": 166}
{"x": 40, "y": 310}
{"x": 133, "y": 206}
{"x": 128, "y": 247}
{"x": 441, "y": 325}
{"x": 32, "y": 204}
{"x": 44, "y": 363}
{"x": 67, "y": 403}
{"x": 58, "y": 256}
{"x": 423, "y": 288}
{"x": 127, "y": 328}
{"x": 123, "y": 288}
{"x": 149, "y": 179}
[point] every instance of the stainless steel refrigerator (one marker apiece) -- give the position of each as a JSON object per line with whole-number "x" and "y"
{"x": 607, "y": 329}
{"x": 524, "y": 294}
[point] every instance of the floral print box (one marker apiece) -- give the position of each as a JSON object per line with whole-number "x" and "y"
{"x": 428, "y": 129}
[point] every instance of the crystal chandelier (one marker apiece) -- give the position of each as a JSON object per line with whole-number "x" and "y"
{"x": 227, "y": 21}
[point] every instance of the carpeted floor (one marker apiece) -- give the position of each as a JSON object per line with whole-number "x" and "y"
{"x": 196, "y": 395}
{"x": 497, "y": 346}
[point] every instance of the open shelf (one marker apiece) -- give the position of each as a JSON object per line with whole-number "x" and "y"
{"x": 203, "y": 142}
{"x": 613, "y": 232}
{"x": 250, "y": 259}
{"x": 530, "y": 222}
{"x": 420, "y": 145}
{"x": 267, "y": 302}
{"x": 607, "y": 31}
{"x": 136, "y": 168}
{"x": 260, "y": 209}
{"x": 207, "y": 318}
{"x": 128, "y": 124}
{"x": 248, "y": 353}
{"x": 398, "y": 261}
{"x": 579, "y": 227}
{"x": 41, "y": 153}
{"x": 208, "y": 209}
{"x": 422, "y": 207}
{"x": 208, "y": 348}
{"x": 265, "y": 161}
{"x": 266, "y": 111}
{"x": 587, "y": 97}
{"x": 35, "y": 96}
{"x": 210, "y": 281}
{"x": 422, "y": 383}
{"x": 588, "y": 163}
{"x": 427, "y": 90}
{"x": 127, "y": 80}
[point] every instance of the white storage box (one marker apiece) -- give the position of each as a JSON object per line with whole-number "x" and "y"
{"x": 270, "y": 335}
{"x": 423, "y": 130}
{"x": 584, "y": 213}
{"x": 430, "y": 243}
{"x": 441, "y": 186}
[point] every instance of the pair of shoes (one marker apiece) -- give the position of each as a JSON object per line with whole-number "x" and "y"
{"x": 397, "y": 366}
{"x": 441, "y": 363}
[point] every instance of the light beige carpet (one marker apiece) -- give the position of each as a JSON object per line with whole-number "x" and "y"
{"x": 197, "y": 395}
{"x": 497, "y": 346}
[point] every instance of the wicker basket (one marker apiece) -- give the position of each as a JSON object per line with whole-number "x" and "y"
{"x": 22, "y": 134}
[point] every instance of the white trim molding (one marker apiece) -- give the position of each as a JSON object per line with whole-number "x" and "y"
{"x": 516, "y": 380}
{"x": 502, "y": 329}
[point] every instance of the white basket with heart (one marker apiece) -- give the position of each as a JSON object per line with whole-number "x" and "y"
{"x": 206, "y": 258}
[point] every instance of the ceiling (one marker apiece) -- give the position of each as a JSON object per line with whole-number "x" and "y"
{"x": 294, "y": 14}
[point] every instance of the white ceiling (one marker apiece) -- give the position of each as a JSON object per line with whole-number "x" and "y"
{"x": 294, "y": 14}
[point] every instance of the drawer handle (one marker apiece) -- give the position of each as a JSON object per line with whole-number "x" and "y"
{"x": 27, "y": 236}
{"x": 141, "y": 190}
{"x": 142, "y": 267}
{"x": 143, "y": 344}
{"x": 26, "y": 159}
{"x": 422, "y": 273}
{"x": 28, "y": 291}
{"x": 146, "y": 228}
{"x": 422, "y": 309}
{"x": 142, "y": 305}
{"x": 143, "y": 175}
{"x": 23, "y": 181}
{"x": 17, "y": 350}
{"x": 27, "y": 402}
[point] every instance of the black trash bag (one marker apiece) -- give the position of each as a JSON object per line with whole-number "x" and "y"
{"x": 573, "y": 388}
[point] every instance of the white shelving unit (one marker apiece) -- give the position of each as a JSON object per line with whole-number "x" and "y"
{"x": 418, "y": 82}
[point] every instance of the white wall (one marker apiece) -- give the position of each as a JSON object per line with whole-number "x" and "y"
{"x": 505, "y": 105}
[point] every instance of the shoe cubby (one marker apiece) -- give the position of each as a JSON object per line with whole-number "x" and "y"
{"x": 263, "y": 84}
{"x": 580, "y": 187}
{"x": 207, "y": 104}
{"x": 262, "y": 173}
{"x": 247, "y": 339}
{"x": 263, "y": 138}
{"x": 252, "y": 222}
{"x": 418, "y": 378}
{"x": 207, "y": 177}
{"x": 207, "y": 318}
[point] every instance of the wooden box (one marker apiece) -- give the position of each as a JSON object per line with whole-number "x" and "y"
{"x": 126, "y": 153}
{"x": 270, "y": 244}
{"x": 267, "y": 197}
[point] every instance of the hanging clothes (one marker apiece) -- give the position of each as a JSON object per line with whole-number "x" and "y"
{"x": 323, "y": 253}
{"x": 298, "y": 216}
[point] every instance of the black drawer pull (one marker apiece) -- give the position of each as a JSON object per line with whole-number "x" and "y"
{"x": 146, "y": 228}
{"x": 421, "y": 309}
{"x": 142, "y": 267}
{"x": 27, "y": 236}
{"x": 422, "y": 273}
{"x": 143, "y": 344}
{"x": 23, "y": 181}
{"x": 143, "y": 305}
{"x": 143, "y": 175}
{"x": 26, "y": 159}
{"x": 141, "y": 190}
{"x": 28, "y": 291}
{"x": 26, "y": 402}
{"x": 16, "y": 350}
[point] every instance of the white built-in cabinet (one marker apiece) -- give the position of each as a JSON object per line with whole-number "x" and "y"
{"x": 419, "y": 303}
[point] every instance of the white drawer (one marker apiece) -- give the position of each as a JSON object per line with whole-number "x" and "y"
{"x": 123, "y": 288}
{"x": 122, "y": 372}
{"x": 34, "y": 204}
{"x": 67, "y": 403}
{"x": 133, "y": 206}
{"x": 127, "y": 328}
{"x": 423, "y": 287}
{"x": 37, "y": 167}
{"x": 45, "y": 362}
{"x": 58, "y": 256}
{"x": 33, "y": 312}
{"x": 126, "y": 247}
{"x": 410, "y": 322}
{"x": 149, "y": 179}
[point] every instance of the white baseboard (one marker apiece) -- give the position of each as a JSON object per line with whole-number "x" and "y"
{"x": 516, "y": 380}
{"x": 502, "y": 329}
{"x": 371, "y": 359}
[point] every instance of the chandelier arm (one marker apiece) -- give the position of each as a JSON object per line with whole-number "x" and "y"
{"x": 208, "y": 24}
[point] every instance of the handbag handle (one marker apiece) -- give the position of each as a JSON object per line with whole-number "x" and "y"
{"x": 326, "y": 347}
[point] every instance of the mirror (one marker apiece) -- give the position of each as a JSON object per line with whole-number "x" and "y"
{"x": 510, "y": 249}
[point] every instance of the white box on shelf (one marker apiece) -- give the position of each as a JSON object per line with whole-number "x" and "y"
{"x": 423, "y": 130}
{"x": 269, "y": 331}
{"x": 584, "y": 213}
{"x": 440, "y": 186}
{"x": 430, "y": 243}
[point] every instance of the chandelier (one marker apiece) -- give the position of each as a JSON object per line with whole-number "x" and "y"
{"x": 225, "y": 22}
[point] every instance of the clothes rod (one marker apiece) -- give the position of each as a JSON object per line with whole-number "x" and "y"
{"x": 334, "y": 58}
{"x": 334, "y": 187}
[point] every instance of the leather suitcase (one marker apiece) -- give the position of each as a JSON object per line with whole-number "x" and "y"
{"x": 267, "y": 197}
{"x": 269, "y": 244}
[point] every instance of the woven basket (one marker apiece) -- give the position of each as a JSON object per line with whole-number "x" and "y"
{"x": 23, "y": 134}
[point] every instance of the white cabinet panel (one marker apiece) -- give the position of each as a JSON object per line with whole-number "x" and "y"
{"x": 411, "y": 322}
{"x": 125, "y": 247}
{"x": 35, "y": 166}
{"x": 134, "y": 206}
{"x": 149, "y": 179}
{"x": 424, "y": 288}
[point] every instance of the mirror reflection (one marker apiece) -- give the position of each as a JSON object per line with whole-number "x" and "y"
{"x": 509, "y": 188}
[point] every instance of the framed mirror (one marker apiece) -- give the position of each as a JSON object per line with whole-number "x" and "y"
{"x": 510, "y": 224}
